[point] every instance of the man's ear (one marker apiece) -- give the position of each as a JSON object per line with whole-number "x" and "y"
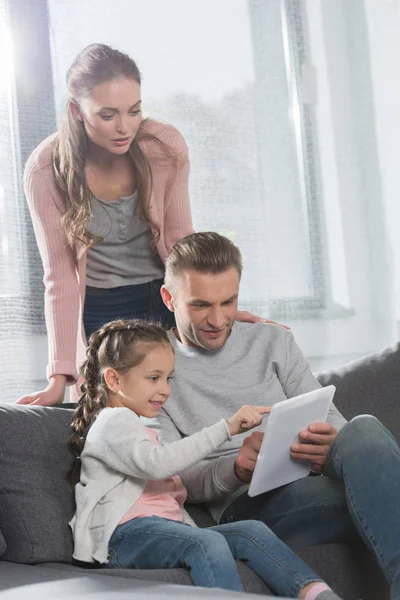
{"x": 75, "y": 110}
{"x": 113, "y": 380}
{"x": 167, "y": 298}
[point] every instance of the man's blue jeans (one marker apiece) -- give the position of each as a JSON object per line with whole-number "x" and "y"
{"x": 209, "y": 554}
{"x": 359, "y": 492}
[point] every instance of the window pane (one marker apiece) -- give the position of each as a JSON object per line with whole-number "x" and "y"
{"x": 217, "y": 73}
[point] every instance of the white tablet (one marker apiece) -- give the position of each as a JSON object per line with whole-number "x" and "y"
{"x": 275, "y": 466}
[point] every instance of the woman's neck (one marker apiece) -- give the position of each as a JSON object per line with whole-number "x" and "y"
{"x": 103, "y": 159}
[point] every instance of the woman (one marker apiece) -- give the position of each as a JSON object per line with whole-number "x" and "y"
{"x": 108, "y": 196}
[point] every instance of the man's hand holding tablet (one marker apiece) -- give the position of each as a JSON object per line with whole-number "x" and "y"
{"x": 314, "y": 445}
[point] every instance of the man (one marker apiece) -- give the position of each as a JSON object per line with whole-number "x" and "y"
{"x": 221, "y": 365}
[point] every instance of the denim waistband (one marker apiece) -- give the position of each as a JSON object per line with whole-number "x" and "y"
{"x": 94, "y": 291}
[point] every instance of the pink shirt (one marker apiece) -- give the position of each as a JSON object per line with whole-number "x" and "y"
{"x": 163, "y": 498}
{"x": 65, "y": 268}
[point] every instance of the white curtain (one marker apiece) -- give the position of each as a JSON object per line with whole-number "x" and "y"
{"x": 279, "y": 103}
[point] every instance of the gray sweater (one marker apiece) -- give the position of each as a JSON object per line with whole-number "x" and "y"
{"x": 259, "y": 364}
{"x": 125, "y": 256}
{"x": 118, "y": 458}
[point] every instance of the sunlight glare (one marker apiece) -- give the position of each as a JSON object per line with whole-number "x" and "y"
{"x": 6, "y": 55}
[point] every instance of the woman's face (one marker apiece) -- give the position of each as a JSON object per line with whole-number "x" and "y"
{"x": 112, "y": 114}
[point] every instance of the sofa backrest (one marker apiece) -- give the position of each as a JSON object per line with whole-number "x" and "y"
{"x": 369, "y": 385}
{"x": 36, "y": 501}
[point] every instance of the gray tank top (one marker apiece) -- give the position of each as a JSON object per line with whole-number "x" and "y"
{"x": 124, "y": 257}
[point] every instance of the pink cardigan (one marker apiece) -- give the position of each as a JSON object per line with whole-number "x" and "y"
{"x": 65, "y": 274}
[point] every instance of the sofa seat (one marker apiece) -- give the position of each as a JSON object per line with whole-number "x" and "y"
{"x": 251, "y": 582}
{"x": 64, "y": 582}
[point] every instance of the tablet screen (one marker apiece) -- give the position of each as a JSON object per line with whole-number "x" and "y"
{"x": 275, "y": 466}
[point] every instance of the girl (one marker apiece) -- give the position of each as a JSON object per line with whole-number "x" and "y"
{"x": 129, "y": 499}
{"x": 108, "y": 197}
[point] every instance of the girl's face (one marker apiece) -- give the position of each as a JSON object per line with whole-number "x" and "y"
{"x": 146, "y": 387}
{"x": 112, "y": 114}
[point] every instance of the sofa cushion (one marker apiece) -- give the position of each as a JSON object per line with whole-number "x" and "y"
{"x": 251, "y": 582}
{"x": 19, "y": 582}
{"x": 369, "y": 385}
{"x": 36, "y": 501}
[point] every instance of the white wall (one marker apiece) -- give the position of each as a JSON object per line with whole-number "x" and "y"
{"x": 384, "y": 37}
{"x": 361, "y": 256}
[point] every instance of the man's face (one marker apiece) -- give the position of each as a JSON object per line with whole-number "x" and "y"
{"x": 205, "y": 307}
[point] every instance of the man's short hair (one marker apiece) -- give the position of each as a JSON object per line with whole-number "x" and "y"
{"x": 205, "y": 252}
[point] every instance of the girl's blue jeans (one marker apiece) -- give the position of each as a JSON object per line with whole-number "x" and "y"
{"x": 209, "y": 554}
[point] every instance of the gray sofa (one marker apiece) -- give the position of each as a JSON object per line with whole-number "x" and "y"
{"x": 36, "y": 502}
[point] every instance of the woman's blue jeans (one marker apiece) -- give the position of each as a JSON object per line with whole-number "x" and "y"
{"x": 209, "y": 554}
{"x": 141, "y": 301}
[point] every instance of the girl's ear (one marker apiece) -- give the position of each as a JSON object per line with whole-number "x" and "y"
{"x": 75, "y": 110}
{"x": 167, "y": 298}
{"x": 112, "y": 379}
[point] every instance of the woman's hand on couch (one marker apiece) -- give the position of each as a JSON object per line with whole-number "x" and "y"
{"x": 53, "y": 394}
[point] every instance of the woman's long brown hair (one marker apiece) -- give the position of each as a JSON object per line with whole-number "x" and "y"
{"x": 96, "y": 64}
